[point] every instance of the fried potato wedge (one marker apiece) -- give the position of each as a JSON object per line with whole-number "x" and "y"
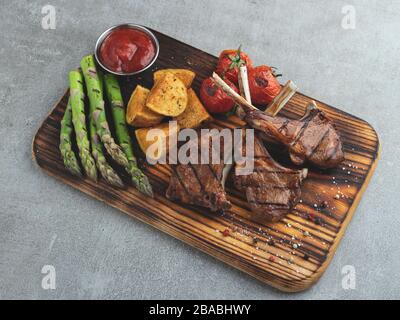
{"x": 155, "y": 141}
{"x": 195, "y": 113}
{"x": 168, "y": 96}
{"x": 185, "y": 75}
{"x": 137, "y": 114}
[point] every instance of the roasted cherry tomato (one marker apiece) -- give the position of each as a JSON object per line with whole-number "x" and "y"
{"x": 229, "y": 62}
{"x": 214, "y": 98}
{"x": 263, "y": 85}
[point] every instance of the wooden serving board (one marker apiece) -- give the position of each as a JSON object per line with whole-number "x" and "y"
{"x": 290, "y": 255}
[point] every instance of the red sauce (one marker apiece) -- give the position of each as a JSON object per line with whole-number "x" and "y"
{"x": 127, "y": 50}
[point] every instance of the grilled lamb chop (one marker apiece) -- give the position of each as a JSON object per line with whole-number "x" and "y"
{"x": 271, "y": 189}
{"x": 313, "y": 138}
{"x": 200, "y": 184}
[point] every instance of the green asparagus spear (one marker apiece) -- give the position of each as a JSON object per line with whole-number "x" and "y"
{"x": 118, "y": 112}
{"x": 79, "y": 121}
{"x": 99, "y": 115}
{"x": 68, "y": 155}
{"x": 107, "y": 172}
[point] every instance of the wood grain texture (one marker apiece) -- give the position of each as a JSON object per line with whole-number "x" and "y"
{"x": 290, "y": 255}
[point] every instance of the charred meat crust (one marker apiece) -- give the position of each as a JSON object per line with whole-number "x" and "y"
{"x": 271, "y": 189}
{"x": 313, "y": 138}
{"x": 199, "y": 184}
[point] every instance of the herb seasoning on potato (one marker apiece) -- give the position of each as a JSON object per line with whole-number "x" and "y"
{"x": 168, "y": 97}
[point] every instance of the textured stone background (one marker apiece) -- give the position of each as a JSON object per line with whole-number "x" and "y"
{"x": 99, "y": 252}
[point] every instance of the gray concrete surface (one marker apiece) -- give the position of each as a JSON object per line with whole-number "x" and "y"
{"x": 99, "y": 252}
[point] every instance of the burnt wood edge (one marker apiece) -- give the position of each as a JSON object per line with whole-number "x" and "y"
{"x": 339, "y": 236}
{"x": 41, "y": 125}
